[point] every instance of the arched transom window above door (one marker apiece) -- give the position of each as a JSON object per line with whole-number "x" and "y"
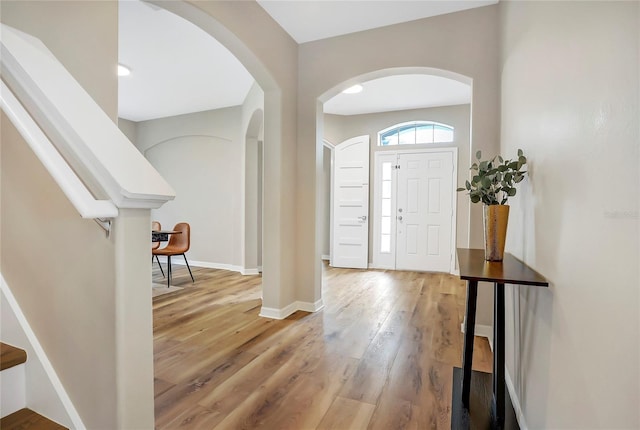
{"x": 415, "y": 132}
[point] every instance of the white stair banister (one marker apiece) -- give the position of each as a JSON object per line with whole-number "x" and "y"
{"x": 83, "y": 134}
{"x": 86, "y": 205}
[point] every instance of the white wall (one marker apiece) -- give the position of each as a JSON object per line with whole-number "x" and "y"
{"x": 201, "y": 156}
{"x": 128, "y": 128}
{"x": 570, "y": 92}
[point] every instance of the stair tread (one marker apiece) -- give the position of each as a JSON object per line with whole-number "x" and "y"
{"x": 11, "y": 356}
{"x": 28, "y": 419}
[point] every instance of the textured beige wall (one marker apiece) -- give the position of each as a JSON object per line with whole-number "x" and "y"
{"x": 465, "y": 43}
{"x": 61, "y": 269}
{"x": 570, "y": 93}
{"x": 74, "y": 284}
{"x": 83, "y": 35}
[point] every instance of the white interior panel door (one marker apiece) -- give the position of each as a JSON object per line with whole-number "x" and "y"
{"x": 351, "y": 204}
{"x": 424, "y": 211}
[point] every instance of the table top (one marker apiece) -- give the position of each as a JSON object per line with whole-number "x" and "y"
{"x": 473, "y": 267}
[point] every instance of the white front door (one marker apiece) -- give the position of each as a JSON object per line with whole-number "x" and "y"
{"x": 424, "y": 211}
{"x": 419, "y": 233}
{"x": 351, "y": 204}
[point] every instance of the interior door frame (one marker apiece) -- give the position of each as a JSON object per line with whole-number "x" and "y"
{"x": 377, "y": 191}
{"x": 331, "y": 147}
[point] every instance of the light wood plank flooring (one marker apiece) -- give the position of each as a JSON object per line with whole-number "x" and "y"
{"x": 380, "y": 355}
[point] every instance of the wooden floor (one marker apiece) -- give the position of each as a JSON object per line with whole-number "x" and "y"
{"x": 380, "y": 354}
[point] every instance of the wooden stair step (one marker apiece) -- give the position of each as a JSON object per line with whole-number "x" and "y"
{"x": 11, "y": 356}
{"x": 28, "y": 419}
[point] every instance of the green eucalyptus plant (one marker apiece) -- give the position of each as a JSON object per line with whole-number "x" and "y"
{"x": 495, "y": 180}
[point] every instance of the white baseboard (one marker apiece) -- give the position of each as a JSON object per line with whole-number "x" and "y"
{"x": 310, "y": 307}
{"x": 482, "y": 331}
{"x": 280, "y": 314}
{"x": 515, "y": 400}
{"x": 209, "y": 265}
{"x": 250, "y": 271}
{"x": 325, "y": 257}
{"x": 42, "y": 385}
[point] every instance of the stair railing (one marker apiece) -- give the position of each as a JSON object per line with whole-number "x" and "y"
{"x": 72, "y": 187}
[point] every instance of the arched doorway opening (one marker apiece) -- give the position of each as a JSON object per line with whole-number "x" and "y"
{"x": 366, "y": 124}
{"x": 277, "y": 266}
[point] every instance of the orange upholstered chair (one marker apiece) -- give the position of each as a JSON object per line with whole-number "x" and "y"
{"x": 178, "y": 245}
{"x": 155, "y": 226}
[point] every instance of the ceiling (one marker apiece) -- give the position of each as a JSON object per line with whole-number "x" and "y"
{"x": 167, "y": 80}
{"x": 400, "y": 92}
{"x": 170, "y": 72}
{"x": 312, "y": 20}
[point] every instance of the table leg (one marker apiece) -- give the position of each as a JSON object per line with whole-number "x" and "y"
{"x": 469, "y": 329}
{"x": 497, "y": 404}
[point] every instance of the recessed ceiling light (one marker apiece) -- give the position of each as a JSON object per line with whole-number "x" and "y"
{"x": 353, "y": 90}
{"x": 123, "y": 70}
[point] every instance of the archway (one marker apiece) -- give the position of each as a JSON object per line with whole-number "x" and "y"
{"x": 464, "y": 143}
{"x": 227, "y": 24}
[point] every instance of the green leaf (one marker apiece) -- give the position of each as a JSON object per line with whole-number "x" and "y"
{"x": 503, "y": 201}
{"x": 500, "y": 159}
{"x": 519, "y": 178}
{"x": 522, "y": 159}
{"x": 467, "y": 184}
{"x": 486, "y": 182}
{"x": 520, "y": 153}
{"x": 479, "y": 155}
{"x": 475, "y": 199}
{"x": 460, "y": 189}
{"x": 513, "y": 165}
{"x": 511, "y": 192}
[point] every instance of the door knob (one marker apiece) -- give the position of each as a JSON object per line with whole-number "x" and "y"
{"x": 400, "y": 210}
{"x": 400, "y": 218}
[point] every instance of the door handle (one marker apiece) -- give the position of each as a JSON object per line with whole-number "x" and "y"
{"x": 400, "y": 218}
{"x": 362, "y": 218}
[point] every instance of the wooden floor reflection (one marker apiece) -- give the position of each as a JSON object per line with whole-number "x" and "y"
{"x": 380, "y": 354}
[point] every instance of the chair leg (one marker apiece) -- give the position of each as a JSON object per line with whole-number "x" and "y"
{"x": 185, "y": 260}
{"x": 159, "y": 265}
{"x": 168, "y": 271}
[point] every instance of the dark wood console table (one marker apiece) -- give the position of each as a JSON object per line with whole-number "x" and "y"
{"x": 474, "y": 268}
